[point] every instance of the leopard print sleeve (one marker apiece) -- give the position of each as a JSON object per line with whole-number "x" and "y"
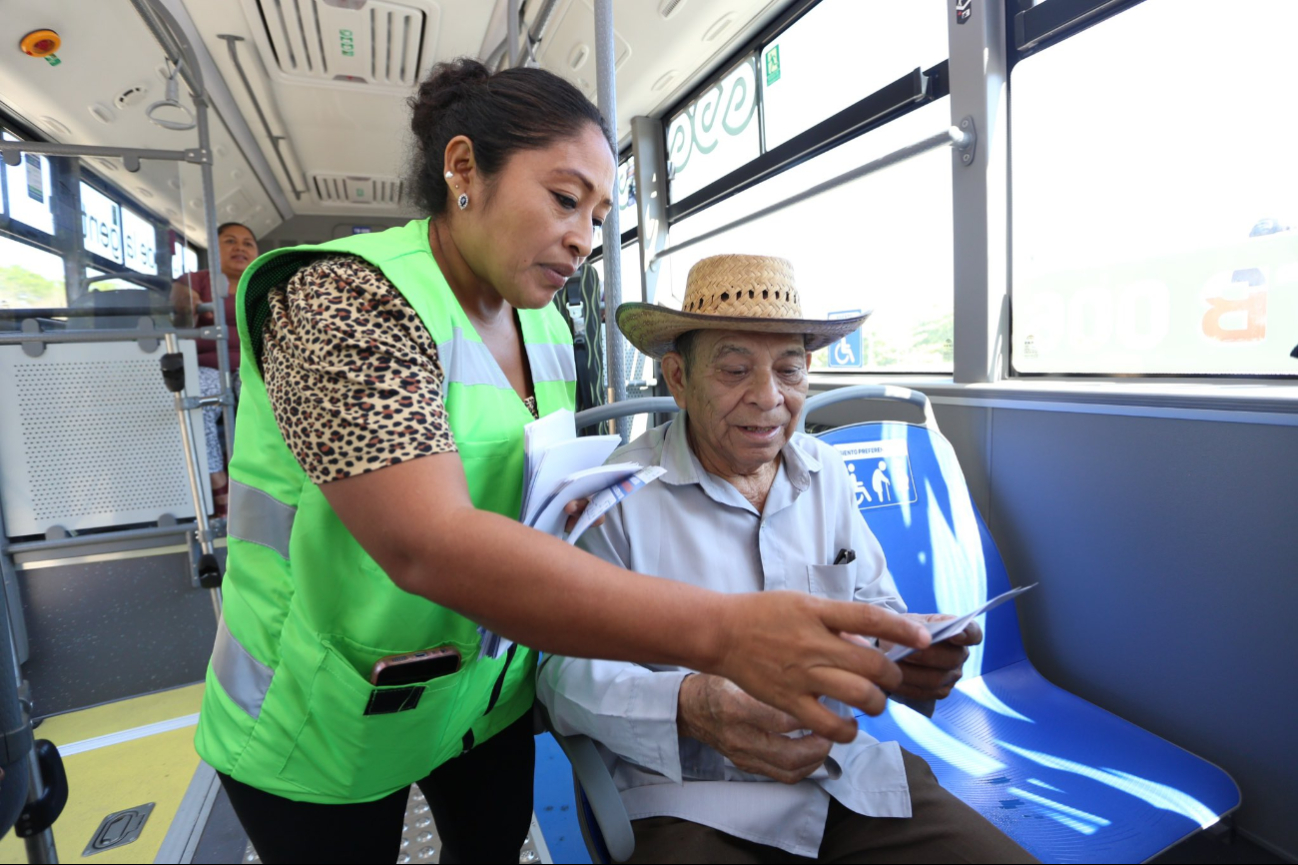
{"x": 351, "y": 372}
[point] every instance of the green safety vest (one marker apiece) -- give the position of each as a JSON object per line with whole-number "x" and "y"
{"x": 288, "y": 707}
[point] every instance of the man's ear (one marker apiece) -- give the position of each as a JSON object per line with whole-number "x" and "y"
{"x": 673, "y": 366}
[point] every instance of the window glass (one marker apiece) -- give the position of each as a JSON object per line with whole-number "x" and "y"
{"x": 1155, "y": 196}
{"x": 183, "y": 259}
{"x": 714, "y": 134}
{"x": 31, "y": 191}
{"x": 840, "y": 52}
{"x": 30, "y": 277}
{"x": 628, "y": 214}
{"x": 101, "y": 224}
{"x": 114, "y": 284}
{"x": 139, "y": 243}
{"x": 882, "y": 242}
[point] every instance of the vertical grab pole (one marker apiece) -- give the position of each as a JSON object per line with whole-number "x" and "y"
{"x": 220, "y": 285}
{"x": 40, "y": 847}
{"x": 606, "y": 76}
{"x": 207, "y": 568}
{"x": 511, "y": 27}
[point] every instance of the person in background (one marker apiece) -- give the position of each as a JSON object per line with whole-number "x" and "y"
{"x": 238, "y": 248}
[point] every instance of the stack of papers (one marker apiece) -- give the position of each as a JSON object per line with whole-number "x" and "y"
{"x": 561, "y": 468}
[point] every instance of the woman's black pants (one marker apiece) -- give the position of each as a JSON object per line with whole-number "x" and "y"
{"x": 481, "y": 802}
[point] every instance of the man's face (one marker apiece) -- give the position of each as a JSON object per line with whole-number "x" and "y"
{"x": 743, "y": 394}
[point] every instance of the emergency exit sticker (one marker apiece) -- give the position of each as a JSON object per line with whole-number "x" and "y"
{"x": 772, "y": 65}
{"x": 880, "y": 473}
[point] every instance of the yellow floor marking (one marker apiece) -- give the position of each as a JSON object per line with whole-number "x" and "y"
{"x": 155, "y": 768}
{"x": 121, "y": 715}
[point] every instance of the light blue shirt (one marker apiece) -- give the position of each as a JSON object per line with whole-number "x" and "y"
{"x": 694, "y": 527}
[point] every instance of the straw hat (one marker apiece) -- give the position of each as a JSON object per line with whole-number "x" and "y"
{"x": 731, "y": 292}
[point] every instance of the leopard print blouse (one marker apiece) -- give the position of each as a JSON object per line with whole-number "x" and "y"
{"x": 352, "y": 373}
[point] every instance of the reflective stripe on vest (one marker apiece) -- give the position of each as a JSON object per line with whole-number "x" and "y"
{"x": 258, "y": 518}
{"x": 245, "y": 679}
{"x": 469, "y": 362}
{"x": 551, "y": 362}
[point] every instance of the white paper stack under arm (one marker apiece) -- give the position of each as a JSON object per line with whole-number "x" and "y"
{"x": 555, "y": 456}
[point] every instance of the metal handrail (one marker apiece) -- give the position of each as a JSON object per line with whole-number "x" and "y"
{"x": 869, "y": 391}
{"x": 230, "y": 40}
{"x": 626, "y": 408}
{"x": 961, "y": 137}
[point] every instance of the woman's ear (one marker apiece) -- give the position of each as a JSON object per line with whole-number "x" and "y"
{"x": 460, "y": 166}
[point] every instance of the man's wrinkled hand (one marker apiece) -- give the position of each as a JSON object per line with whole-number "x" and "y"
{"x": 931, "y": 673}
{"x": 719, "y": 714}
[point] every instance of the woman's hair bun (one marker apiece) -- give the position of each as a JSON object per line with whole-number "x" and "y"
{"x": 448, "y": 84}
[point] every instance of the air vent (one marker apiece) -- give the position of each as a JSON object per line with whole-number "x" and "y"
{"x": 353, "y": 189}
{"x": 668, "y": 8}
{"x": 380, "y": 43}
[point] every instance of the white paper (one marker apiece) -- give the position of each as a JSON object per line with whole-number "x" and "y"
{"x": 580, "y": 485}
{"x": 950, "y": 627}
{"x": 610, "y": 496}
{"x": 561, "y": 462}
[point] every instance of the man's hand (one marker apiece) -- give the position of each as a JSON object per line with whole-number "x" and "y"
{"x": 931, "y": 673}
{"x": 717, "y": 713}
{"x": 574, "y": 509}
{"x": 786, "y": 649}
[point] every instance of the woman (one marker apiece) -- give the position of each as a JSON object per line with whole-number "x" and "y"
{"x": 238, "y": 248}
{"x": 375, "y": 493}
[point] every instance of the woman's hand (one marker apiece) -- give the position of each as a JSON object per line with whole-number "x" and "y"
{"x": 787, "y": 650}
{"x": 574, "y": 510}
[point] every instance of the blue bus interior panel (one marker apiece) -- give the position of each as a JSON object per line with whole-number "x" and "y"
{"x": 1067, "y": 780}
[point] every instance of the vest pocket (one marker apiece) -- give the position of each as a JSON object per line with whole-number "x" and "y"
{"x": 358, "y": 742}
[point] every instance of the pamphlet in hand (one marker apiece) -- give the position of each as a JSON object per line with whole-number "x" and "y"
{"x": 950, "y": 627}
{"x": 560, "y": 468}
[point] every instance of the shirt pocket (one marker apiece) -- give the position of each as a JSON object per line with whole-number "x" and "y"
{"x": 835, "y": 582}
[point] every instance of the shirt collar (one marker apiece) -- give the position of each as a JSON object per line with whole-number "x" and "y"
{"x": 683, "y": 467}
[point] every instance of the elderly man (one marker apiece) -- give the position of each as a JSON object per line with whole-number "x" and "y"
{"x": 747, "y": 504}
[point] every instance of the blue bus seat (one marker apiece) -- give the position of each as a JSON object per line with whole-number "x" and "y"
{"x": 1067, "y": 780}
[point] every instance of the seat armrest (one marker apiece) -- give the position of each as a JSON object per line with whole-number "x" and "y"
{"x": 601, "y": 793}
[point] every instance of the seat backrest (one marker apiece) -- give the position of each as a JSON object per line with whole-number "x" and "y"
{"x": 913, "y": 496}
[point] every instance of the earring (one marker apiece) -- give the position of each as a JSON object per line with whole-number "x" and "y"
{"x": 449, "y": 175}
{"x": 463, "y": 200}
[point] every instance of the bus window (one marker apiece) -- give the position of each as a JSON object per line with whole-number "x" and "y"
{"x": 30, "y": 277}
{"x": 1156, "y": 218}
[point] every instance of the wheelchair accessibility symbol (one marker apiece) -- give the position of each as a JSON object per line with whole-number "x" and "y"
{"x": 880, "y": 473}
{"x": 846, "y": 353}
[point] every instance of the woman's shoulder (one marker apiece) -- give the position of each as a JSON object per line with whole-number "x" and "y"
{"x": 338, "y": 274}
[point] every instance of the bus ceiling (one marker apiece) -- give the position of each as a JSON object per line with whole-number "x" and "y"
{"x": 309, "y": 99}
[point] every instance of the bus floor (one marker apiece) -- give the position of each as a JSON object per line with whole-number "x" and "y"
{"x": 139, "y": 753}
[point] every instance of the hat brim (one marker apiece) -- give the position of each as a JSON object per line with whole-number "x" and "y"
{"x": 653, "y": 329}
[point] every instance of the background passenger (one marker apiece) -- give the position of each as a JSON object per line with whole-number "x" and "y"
{"x": 747, "y": 504}
{"x": 238, "y": 247}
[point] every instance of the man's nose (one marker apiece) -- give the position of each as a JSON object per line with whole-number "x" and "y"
{"x": 765, "y": 392}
